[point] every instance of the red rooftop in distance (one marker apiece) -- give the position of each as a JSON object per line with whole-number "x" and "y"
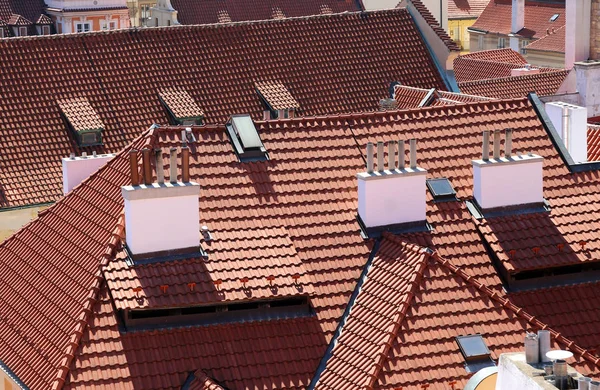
{"x": 287, "y": 288}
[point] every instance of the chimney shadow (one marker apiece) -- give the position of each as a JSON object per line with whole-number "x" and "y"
{"x": 259, "y": 174}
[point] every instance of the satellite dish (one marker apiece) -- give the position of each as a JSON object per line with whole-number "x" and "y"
{"x": 558, "y": 354}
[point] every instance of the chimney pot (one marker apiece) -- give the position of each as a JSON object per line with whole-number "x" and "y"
{"x": 84, "y": 155}
{"x": 72, "y": 156}
{"x": 413, "y": 153}
{"x": 380, "y": 164}
{"x": 401, "y": 154}
{"x": 485, "y": 155}
{"x": 370, "y": 157}
{"x": 135, "y": 177}
{"x": 508, "y": 143}
{"x": 185, "y": 164}
{"x": 160, "y": 172}
{"x": 391, "y": 155}
{"x": 496, "y": 144}
{"x": 173, "y": 166}
{"x": 146, "y": 165}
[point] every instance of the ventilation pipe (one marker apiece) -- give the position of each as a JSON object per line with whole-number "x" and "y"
{"x": 570, "y": 122}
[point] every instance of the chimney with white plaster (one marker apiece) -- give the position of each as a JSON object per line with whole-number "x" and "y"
{"x": 77, "y": 169}
{"x": 172, "y": 206}
{"x": 570, "y": 122}
{"x": 525, "y": 70}
{"x": 517, "y": 23}
{"x": 392, "y": 196}
{"x": 577, "y": 31}
{"x": 509, "y": 180}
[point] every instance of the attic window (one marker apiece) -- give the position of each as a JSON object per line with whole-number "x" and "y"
{"x": 181, "y": 106}
{"x": 441, "y": 189}
{"x": 245, "y": 139}
{"x": 475, "y": 352}
{"x": 83, "y": 120}
{"x": 554, "y": 17}
{"x": 277, "y": 98}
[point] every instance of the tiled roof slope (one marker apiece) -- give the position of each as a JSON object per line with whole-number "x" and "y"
{"x": 277, "y": 96}
{"x": 29, "y": 9}
{"x": 555, "y": 41}
{"x": 435, "y": 25}
{"x": 180, "y": 103}
{"x": 496, "y": 55}
{"x": 400, "y": 332}
{"x": 217, "y": 65}
{"x": 411, "y": 97}
{"x": 466, "y": 9}
{"x": 496, "y": 18}
{"x": 203, "y": 382}
{"x": 80, "y": 114}
{"x": 543, "y": 84}
{"x": 307, "y": 187}
{"x": 207, "y": 11}
{"x": 593, "y": 137}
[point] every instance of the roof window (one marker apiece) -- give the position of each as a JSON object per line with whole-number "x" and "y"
{"x": 83, "y": 120}
{"x": 475, "y": 352}
{"x": 181, "y": 106}
{"x": 441, "y": 189}
{"x": 245, "y": 138}
{"x": 554, "y": 17}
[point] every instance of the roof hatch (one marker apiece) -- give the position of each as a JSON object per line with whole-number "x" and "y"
{"x": 245, "y": 138}
{"x": 475, "y": 352}
{"x": 441, "y": 189}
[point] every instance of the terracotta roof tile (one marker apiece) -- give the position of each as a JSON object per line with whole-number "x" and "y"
{"x": 80, "y": 114}
{"x": 466, "y": 9}
{"x": 277, "y": 96}
{"x": 497, "y": 55}
{"x": 411, "y": 97}
{"x": 18, "y": 20}
{"x": 555, "y": 41}
{"x": 203, "y": 382}
{"x": 215, "y": 69}
{"x": 496, "y": 18}
{"x": 205, "y": 12}
{"x": 43, "y": 19}
{"x": 180, "y": 103}
{"x": 593, "y": 142}
{"x": 543, "y": 84}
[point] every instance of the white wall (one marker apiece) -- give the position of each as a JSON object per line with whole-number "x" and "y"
{"x": 508, "y": 182}
{"x": 577, "y": 33}
{"x": 161, "y": 217}
{"x": 77, "y": 169}
{"x": 164, "y": 13}
{"x": 572, "y": 128}
{"x": 588, "y": 86}
{"x": 392, "y": 197}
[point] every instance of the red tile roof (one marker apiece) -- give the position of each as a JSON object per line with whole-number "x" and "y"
{"x": 80, "y": 114}
{"x": 308, "y": 190}
{"x": 180, "y": 103}
{"x": 276, "y": 95}
{"x": 216, "y": 70}
{"x": 543, "y": 84}
{"x": 555, "y": 41}
{"x": 466, "y": 9}
{"x": 593, "y": 138}
{"x": 411, "y": 97}
{"x": 401, "y": 329}
{"x": 208, "y": 11}
{"x": 203, "y": 382}
{"x": 496, "y": 18}
{"x": 496, "y": 55}
{"x": 18, "y": 20}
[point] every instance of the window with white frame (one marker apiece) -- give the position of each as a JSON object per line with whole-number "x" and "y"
{"x": 501, "y": 43}
{"x": 45, "y": 30}
{"x": 524, "y": 43}
{"x": 83, "y": 27}
{"x": 108, "y": 24}
{"x": 22, "y": 31}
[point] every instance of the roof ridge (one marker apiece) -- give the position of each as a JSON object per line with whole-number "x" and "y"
{"x": 520, "y": 312}
{"x": 521, "y": 77}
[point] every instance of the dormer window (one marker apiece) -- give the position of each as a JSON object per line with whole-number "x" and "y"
{"x": 22, "y": 31}
{"x": 181, "y": 106}
{"x": 45, "y": 30}
{"x": 245, "y": 139}
{"x": 83, "y": 121}
{"x": 278, "y": 99}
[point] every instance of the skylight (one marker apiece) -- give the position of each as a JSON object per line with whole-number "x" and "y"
{"x": 475, "y": 352}
{"x": 441, "y": 189}
{"x": 245, "y": 139}
{"x": 554, "y": 17}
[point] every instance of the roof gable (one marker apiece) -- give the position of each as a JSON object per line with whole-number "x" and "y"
{"x": 28, "y": 9}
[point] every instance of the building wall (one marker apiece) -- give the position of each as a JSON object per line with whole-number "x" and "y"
{"x": 460, "y": 26}
{"x": 13, "y": 220}
{"x": 66, "y": 22}
{"x": 140, "y": 12}
{"x": 546, "y": 59}
{"x": 595, "y": 31}
{"x": 490, "y": 41}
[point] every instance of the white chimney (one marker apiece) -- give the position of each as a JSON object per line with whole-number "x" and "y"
{"x": 509, "y": 180}
{"x": 577, "y": 32}
{"x": 77, "y": 169}
{"x": 570, "y": 122}
{"x": 171, "y": 205}
{"x": 395, "y": 195}
{"x": 517, "y": 22}
{"x": 525, "y": 70}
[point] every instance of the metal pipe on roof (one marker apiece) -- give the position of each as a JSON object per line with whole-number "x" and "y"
{"x": 160, "y": 172}
{"x": 173, "y": 166}
{"x": 133, "y": 165}
{"x": 380, "y": 164}
{"x": 508, "y": 143}
{"x": 485, "y": 154}
{"x": 496, "y": 144}
{"x": 369, "y": 157}
{"x": 146, "y": 165}
{"x": 401, "y": 154}
{"x": 183, "y": 138}
{"x": 413, "y": 153}
{"x": 185, "y": 164}
{"x": 391, "y": 155}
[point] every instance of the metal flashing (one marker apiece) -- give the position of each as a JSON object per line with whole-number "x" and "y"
{"x": 402, "y": 228}
{"x": 532, "y": 208}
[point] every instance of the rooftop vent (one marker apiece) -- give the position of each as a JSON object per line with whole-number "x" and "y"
{"x": 245, "y": 139}
{"x": 173, "y": 205}
{"x": 392, "y": 196}
{"x": 475, "y": 352}
{"x": 570, "y": 122}
{"x": 77, "y": 169}
{"x": 83, "y": 120}
{"x": 509, "y": 180}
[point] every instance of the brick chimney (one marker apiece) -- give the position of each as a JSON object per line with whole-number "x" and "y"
{"x": 161, "y": 217}
{"x": 392, "y": 196}
{"x": 509, "y": 180}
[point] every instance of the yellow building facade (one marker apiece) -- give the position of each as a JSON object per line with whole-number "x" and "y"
{"x": 457, "y": 29}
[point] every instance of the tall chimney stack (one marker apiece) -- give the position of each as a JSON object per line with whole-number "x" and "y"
{"x": 517, "y": 22}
